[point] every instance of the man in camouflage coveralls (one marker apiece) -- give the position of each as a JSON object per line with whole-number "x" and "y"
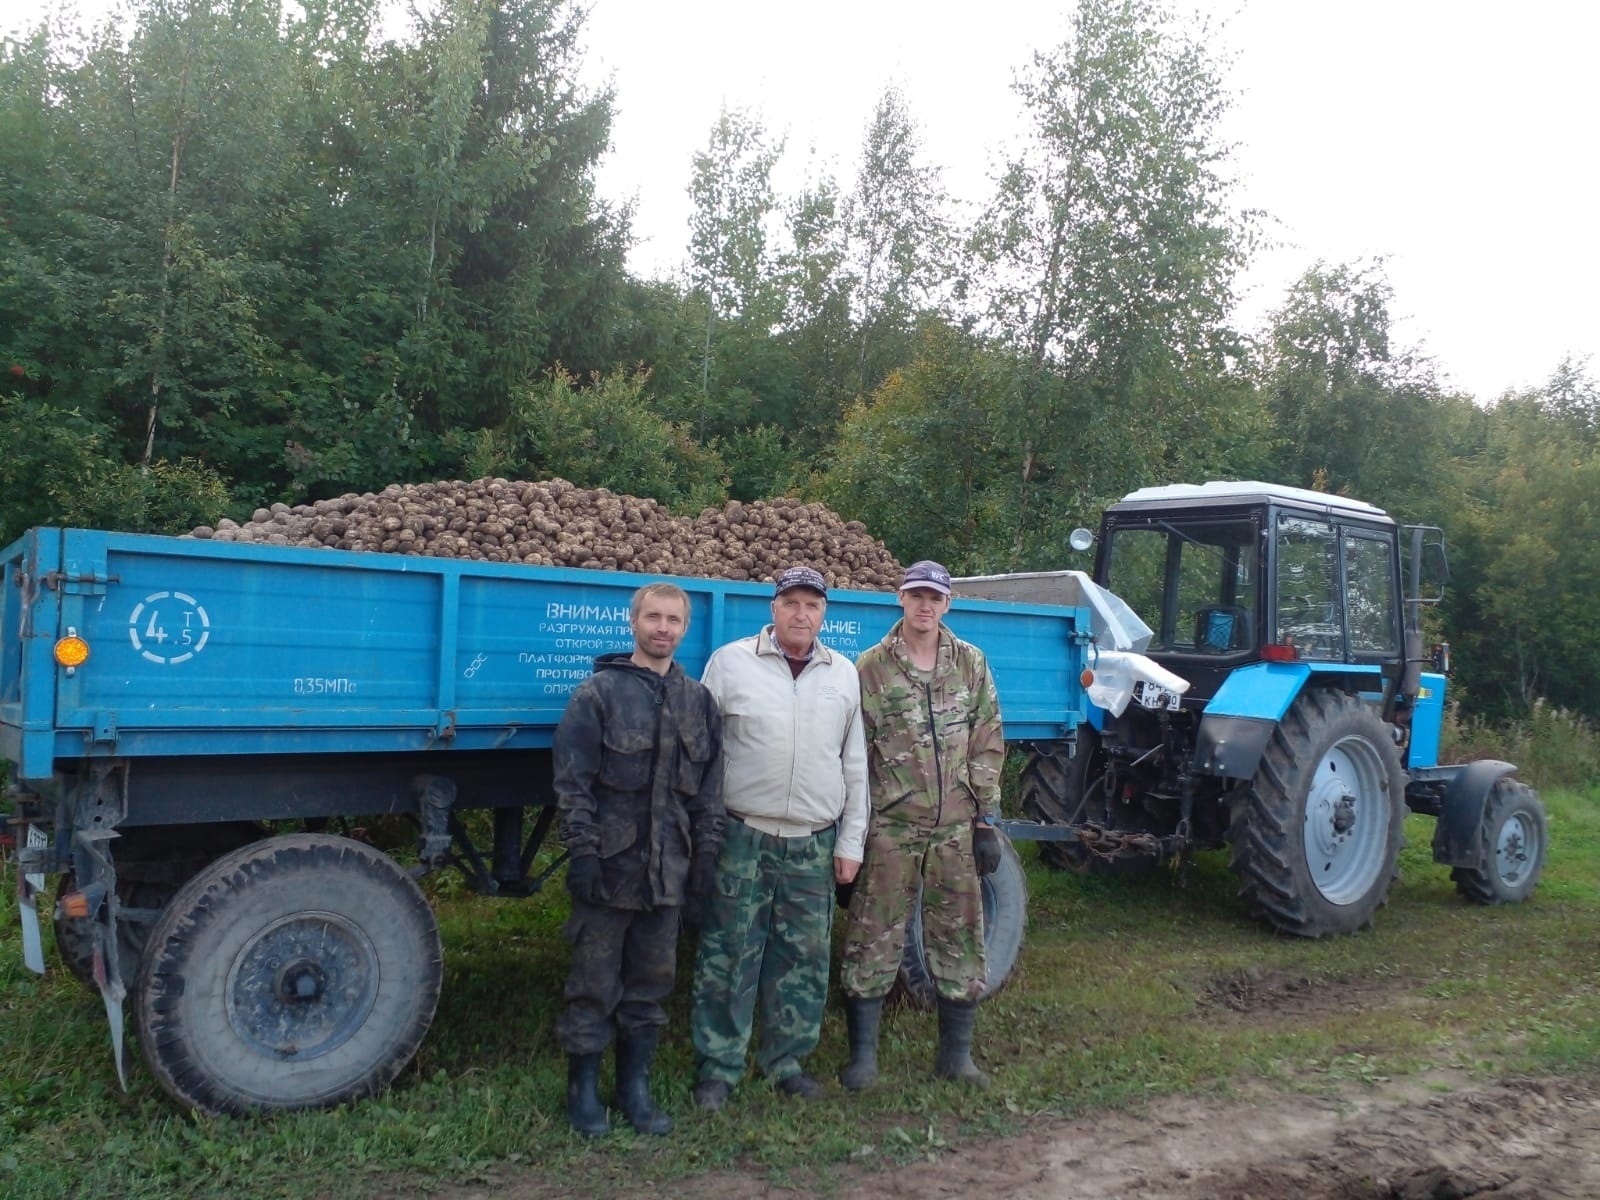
{"x": 638, "y": 783}
{"x": 934, "y": 752}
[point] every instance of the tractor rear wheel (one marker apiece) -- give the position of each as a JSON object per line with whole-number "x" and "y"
{"x": 1318, "y": 842}
{"x": 1511, "y": 847}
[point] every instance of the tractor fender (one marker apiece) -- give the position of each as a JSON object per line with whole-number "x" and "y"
{"x": 1238, "y": 721}
{"x": 1455, "y": 835}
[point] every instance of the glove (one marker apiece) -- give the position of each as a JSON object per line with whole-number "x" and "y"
{"x": 986, "y": 848}
{"x": 583, "y": 879}
{"x": 702, "y": 880}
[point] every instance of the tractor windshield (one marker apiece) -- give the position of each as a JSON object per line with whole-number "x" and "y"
{"x": 1195, "y": 583}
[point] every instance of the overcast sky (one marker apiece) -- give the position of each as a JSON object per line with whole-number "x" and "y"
{"x": 1458, "y": 140}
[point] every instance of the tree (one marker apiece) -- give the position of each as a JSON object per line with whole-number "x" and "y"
{"x": 1106, "y": 263}
{"x": 900, "y": 242}
{"x": 270, "y": 242}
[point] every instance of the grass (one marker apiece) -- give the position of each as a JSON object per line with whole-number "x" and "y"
{"x": 1128, "y": 989}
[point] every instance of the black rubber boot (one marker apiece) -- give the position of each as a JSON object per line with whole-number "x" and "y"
{"x": 861, "y": 1019}
{"x": 634, "y": 1052}
{"x": 584, "y": 1110}
{"x": 954, "y": 1060}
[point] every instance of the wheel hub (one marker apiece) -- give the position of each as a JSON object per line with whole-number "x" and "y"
{"x": 301, "y": 982}
{"x": 1345, "y": 831}
{"x": 302, "y": 986}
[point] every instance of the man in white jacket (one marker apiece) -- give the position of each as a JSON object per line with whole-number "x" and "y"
{"x": 795, "y": 789}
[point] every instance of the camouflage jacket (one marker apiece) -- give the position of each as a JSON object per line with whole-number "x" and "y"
{"x": 934, "y": 748}
{"x": 638, "y": 778}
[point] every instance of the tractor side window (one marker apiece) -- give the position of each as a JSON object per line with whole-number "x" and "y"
{"x": 1308, "y": 609}
{"x": 1369, "y": 595}
{"x": 1135, "y": 570}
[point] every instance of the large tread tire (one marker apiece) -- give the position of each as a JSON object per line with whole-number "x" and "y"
{"x": 1053, "y": 789}
{"x": 299, "y": 972}
{"x": 1511, "y": 847}
{"x": 1318, "y": 843}
{"x": 1005, "y": 924}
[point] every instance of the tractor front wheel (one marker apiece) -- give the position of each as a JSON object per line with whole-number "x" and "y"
{"x": 1511, "y": 844}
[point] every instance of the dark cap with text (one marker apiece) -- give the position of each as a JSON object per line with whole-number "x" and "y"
{"x": 927, "y": 574}
{"x": 800, "y": 577}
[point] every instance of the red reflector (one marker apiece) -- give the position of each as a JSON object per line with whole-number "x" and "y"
{"x": 75, "y": 905}
{"x": 1279, "y": 653}
{"x": 1087, "y": 678}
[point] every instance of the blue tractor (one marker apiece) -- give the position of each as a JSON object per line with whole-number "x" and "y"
{"x": 1312, "y": 718}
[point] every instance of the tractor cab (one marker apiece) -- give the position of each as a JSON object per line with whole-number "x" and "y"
{"x": 1229, "y": 574}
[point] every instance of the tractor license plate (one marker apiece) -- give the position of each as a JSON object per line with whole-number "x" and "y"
{"x": 1152, "y": 697}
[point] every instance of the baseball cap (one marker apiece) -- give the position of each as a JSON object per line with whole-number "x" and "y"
{"x": 804, "y": 577}
{"x": 926, "y": 574}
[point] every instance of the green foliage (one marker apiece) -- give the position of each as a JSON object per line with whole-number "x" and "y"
{"x": 603, "y": 435}
{"x": 55, "y": 469}
{"x": 296, "y": 253}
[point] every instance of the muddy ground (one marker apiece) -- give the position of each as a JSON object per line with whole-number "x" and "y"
{"x": 1437, "y": 1137}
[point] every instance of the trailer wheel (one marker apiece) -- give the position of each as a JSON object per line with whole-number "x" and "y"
{"x": 1319, "y": 840}
{"x": 1005, "y": 920}
{"x": 1058, "y": 789}
{"x": 298, "y": 972}
{"x": 1511, "y": 847}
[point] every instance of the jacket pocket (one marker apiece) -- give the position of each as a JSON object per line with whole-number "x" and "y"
{"x": 694, "y": 757}
{"x": 625, "y": 766}
{"x": 880, "y": 809}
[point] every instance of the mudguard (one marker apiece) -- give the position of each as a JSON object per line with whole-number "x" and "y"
{"x": 1455, "y": 834}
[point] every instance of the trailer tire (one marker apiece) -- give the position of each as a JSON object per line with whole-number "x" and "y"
{"x": 1054, "y": 789}
{"x": 1511, "y": 846}
{"x": 298, "y": 972}
{"x": 1005, "y": 922}
{"x": 1318, "y": 841}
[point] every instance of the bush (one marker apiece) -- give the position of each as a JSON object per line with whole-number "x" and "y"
{"x": 1552, "y": 747}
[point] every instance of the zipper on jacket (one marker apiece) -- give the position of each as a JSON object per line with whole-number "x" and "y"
{"x": 938, "y": 759}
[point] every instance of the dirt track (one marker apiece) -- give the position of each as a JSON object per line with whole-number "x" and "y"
{"x": 1431, "y": 1138}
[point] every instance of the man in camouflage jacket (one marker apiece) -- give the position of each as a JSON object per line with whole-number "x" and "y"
{"x": 934, "y": 752}
{"x": 638, "y": 783}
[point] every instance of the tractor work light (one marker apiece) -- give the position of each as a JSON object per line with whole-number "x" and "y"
{"x": 1280, "y": 652}
{"x": 72, "y": 651}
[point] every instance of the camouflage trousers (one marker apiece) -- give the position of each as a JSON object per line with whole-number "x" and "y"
{"x": 623, "y": 965}
{"x": 902, "y": 858}
{"x": 765, "y": 942}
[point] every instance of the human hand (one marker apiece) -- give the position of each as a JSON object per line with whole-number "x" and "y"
{"x": 583, "y": 879}
{"x": 702, "y": 882}
{"x": 845, "y": 870}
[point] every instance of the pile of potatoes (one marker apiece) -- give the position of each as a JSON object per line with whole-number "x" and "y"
{"x": 554, "y": 523}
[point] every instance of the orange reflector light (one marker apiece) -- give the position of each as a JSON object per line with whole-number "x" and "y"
{"x": 72, "y": 651}
{"x": 1279, "y": 653}
{"x": 75, "y": 905}
{"x": 1087, "y": 678}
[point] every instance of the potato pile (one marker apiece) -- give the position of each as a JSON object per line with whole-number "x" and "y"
{"x": 554, "y": 523}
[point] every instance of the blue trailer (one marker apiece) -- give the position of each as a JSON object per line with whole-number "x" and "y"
{"x": 187, "y": 723}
